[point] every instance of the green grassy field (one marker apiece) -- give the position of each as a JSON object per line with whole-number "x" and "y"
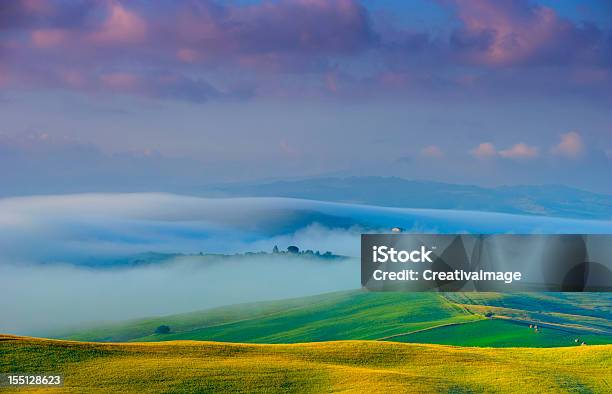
{"x": 360, "y": 366}
{"x": 500, "y": 333}
{"x": 413, "y": 317}
{"x": 588, "y": 309}
{"x": 335, "y": 316}
{"x": 309, "y": 345}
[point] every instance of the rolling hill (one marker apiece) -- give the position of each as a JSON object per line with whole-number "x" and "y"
{"x": 188, "y": 366}
{"x": 333, "y": 316}
{"x": 551, "y": 200}
{"x": 451, "y": 318}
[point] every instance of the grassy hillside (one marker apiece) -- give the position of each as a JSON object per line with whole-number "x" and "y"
{"x": 593, "y": 309}
{"x": 335, "y": 316}
{"x": 312, "y": 367}
{"x": 406, "y": 317}
{"x": 367, "y": 366}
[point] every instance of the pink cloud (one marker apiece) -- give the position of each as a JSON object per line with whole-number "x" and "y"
{"x": 432, "y": 151}
{"x": 510, "y": 32}
{"x": 570, "y": 146}
{"x": 37, "y": 6}
{"x": 297, "y": 47}
{"x": 331, "y": 82}
{"x": 269, "y": 27}
{"x": 592, "y": 75}
{"x": 484, "y": 150}
{"x": 187, "y": 55}
{"x": 122, "y": 26}
{"x": 73, "y": 78}
{"x": 290, "y": 150}
{"x": 4, "y": 77}
{"x": 45, "y": 38}
{"x": 394, "y": 79}
{"x": 120, "y": 81}
{"x": 510, "y": 35}
{"x": 520, "y": 151}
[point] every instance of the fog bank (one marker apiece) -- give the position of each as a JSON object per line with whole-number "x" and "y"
{"x": 36, "y": 299}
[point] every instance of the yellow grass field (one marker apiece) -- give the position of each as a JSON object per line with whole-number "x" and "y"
{"x": 355, "y": 366}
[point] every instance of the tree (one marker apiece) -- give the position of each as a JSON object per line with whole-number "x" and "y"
{"x": 163, "y": 329}
{"x": 293, "y": 249}
{"x": 275, "y": 249}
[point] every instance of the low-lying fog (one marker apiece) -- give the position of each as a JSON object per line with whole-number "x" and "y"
{"x": 36, "y": 299}
{"x": 53, "y": 251}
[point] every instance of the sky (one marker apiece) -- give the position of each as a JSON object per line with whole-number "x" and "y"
{"x": 109, "y": 95}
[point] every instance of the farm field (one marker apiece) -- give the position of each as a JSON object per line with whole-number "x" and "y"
{"x": 452, "y": 319}
{"x": 501, "y": 333}
{"x": 372, "y": 366}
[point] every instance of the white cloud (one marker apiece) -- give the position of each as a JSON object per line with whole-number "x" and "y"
{"x": 570, "y": 145}
{"x": 520, "y": 151}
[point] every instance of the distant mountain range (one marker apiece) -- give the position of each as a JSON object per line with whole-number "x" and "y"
{"x": 548, "y": 200}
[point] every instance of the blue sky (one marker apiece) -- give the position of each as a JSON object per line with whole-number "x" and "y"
{"x": 134, "y": 96}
